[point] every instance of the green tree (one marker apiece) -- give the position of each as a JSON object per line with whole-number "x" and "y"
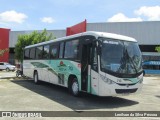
{"x": 157, "y": 48}
{"x": 3, "y": 51}
{"x": 30, "y": 39}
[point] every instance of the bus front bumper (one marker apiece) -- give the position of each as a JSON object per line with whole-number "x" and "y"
{"x": 118, "y": 90}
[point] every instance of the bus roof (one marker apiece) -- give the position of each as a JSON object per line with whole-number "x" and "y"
{"x": 93, "y": 33}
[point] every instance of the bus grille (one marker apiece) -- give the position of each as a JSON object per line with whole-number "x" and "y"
{"x": 121, "y": 91}
{"x": 127, "y": 84}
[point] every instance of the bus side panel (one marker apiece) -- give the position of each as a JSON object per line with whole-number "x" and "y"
{"x": 60, "y": 70}
{"x": 77, "y": 71}
{"x": 53, "y": 71}
{"x": 28, "y": 68}
{"x": 94, "y": 88}
{"x": 65, "y": 68}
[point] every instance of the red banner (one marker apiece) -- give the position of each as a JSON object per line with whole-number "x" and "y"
{"x": 78, "y": 28}
{"x": 4, "y": 45}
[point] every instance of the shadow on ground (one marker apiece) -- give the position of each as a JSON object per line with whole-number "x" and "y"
{"x": 158, "y": 96}
{"x": 84, "y": 102}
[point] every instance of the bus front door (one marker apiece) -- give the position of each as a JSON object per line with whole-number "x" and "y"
{"x": 89, "y": 68}
{"x": 85, "y": 66}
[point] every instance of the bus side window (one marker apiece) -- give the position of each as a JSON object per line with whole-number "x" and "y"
{"x": 26, "y": 53}
{"x": 71, "y": 49}
{"x": 46, "y": 52}
{"x": 61, "y": 50}
{"x": 54, "y": 52}
{"x": 32, "y": 53}
{"x": 39, "y": 52}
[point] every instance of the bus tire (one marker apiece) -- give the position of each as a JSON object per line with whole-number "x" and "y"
{"x": 74, "y": 87}
{"x": 36, "y": 81}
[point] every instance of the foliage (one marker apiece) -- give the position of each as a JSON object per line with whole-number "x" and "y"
{"x": 157, "y": 48}
{"x": 3, "y": 51}
{"x": 30, "y": 39}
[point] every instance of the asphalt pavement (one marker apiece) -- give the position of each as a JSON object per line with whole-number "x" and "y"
{"x": 19, "y": 94}
{"x": 5, "y": 75}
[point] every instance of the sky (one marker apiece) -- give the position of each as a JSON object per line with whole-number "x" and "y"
{"x": 19, "y": 15}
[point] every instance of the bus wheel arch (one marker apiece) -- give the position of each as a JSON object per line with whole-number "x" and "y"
{"x": 73, "y": 85}
{"x": 35, "y": 76}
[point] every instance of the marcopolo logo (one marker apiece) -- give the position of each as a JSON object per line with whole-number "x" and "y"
{"x": 3, "y": 51}
{"x": 61, "y": 64}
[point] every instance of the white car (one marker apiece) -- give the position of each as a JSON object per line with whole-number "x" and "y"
{"x": 6, "y": 66}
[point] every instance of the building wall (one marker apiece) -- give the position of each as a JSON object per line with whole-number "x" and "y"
{"x": 146, "y": 33}
{"x": 13, "y": 37}
{"x": 4, "y": 45}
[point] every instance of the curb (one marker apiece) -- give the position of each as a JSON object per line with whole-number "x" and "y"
{"x": 7, "y": 77}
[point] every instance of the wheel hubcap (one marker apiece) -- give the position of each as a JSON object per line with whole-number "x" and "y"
{"x": 75, "y": 87}
{"x": 35, "y": 78}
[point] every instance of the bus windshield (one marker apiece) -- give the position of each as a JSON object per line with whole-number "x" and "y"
{"x": 120, "y": 57}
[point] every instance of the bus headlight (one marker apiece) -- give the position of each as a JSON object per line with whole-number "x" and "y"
{"x": 141, "y": 81}
{"x": 108, "y": 81}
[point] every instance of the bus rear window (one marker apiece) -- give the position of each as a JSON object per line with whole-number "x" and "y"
{"x": 26, "y": 54}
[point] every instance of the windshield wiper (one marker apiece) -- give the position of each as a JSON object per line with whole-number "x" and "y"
{"x": 124, "y": 60}
{"x": 133, "y": 64}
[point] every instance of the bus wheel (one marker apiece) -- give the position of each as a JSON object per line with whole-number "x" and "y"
{"x": 74, "y": 87}
{"x": 36, "y": 81}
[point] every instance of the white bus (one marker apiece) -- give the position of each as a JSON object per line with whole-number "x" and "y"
{"x": 98, "y": 63}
